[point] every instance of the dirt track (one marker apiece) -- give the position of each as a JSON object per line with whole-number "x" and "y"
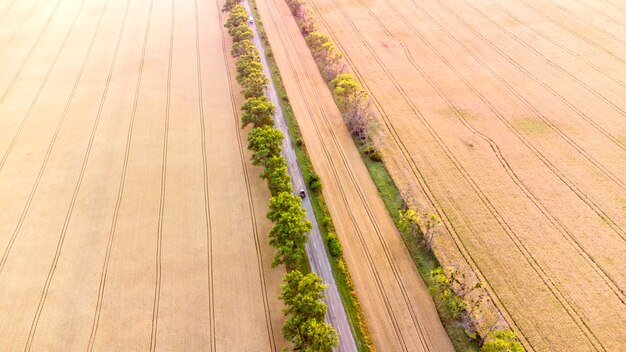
{"x": 398, "y": 309}
{"x": 130, "y": 218}
{"x": 508, "y": 119}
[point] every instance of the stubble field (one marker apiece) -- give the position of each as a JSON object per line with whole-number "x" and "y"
{"x": 509, "y": 119}
{"x": 130, "y": 217}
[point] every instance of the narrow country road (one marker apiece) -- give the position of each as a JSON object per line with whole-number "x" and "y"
{"x": 315, "y": 249}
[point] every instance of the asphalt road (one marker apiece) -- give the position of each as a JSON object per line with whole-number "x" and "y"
{"x": 315, "y": 249}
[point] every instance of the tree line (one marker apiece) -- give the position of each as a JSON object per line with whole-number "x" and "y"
{"x": 302, "y": 294}
{"x": 352, "y": 100}
{"x": 452, "y": 288}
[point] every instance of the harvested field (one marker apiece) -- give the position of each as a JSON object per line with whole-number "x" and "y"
{"x": 399, "y": 311}
{"x": 130, "y": 217}
{"x": 508, "y": 119}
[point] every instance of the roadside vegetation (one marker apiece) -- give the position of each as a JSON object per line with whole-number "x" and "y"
{"x": 458, "y": 297}
{"x": 333, "y": 246}
{"x": 305, "y": 326}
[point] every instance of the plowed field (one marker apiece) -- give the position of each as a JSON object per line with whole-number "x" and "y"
{"x": 509, "y": 119}
{"x": 130, "y": 218}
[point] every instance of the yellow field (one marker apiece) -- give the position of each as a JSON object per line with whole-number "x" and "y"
{"x": 130, "y": 217}
{"x": 507, "y": 118}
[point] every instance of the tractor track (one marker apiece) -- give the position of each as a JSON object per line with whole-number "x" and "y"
{"x": 533, "y": 77}
{"x": 572, "y": 32}
{"x": 159, "y": 237}
{"x": 39, "y": 91}
{"x": 7, "y": 9}
{"x": 562, "y": 47}
{"x": 19, "y": 26}
{"x": 561, "y": 296}
{"x": 589, "y": 202}
{"x": 581, "y": 19}
{"x": 615, "y": 5}
{"x": 104, "y": 153}
{"x": 120, "y": 192}
{"x": 20, "y": 222}
{"x": 246, "y": 173}
{"x": 591, "y": 90}
{"x": 30, "y": 51}
{"x": 550, "y": 217}
{"x": 602, "y": 13}
{"x": 450, "y": 227}
{"x": 77, "y": 188}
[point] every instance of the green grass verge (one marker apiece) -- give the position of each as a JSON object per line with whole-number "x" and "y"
{"x": 344, "y": 283}
{"x": 423, "y": 258}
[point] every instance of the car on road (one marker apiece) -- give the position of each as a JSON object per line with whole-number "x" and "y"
{"x": 302, "y": 194}
{"x": 251, "y": 20}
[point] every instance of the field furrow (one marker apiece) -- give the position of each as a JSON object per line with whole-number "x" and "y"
{"x": 130, "y": 216}
{"x": 505, "y": 124}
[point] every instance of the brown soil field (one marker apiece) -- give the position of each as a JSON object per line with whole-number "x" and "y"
{"x": 399, "y": 311}
{"x": 130, "y": 216}
{"x": 508, "y": 118}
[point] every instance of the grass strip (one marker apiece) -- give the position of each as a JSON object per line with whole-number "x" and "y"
{"x": 424, "y": 259}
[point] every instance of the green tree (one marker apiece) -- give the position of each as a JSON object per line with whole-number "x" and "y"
{"x": 442, "y": 286}
{"x": 275, "y": 172}
{"x": 334, "y": 247}
{"x": 421, "y": 226}
{"x": 454, "y": 290}
{"x": 247, "y": 59}
{"x": 230, "y": 4}
{"x": 346, "y": 90}
{"x": 302, "y": 15}
{"x": 254, "y": 84}
{"x": 314, "y": 182}
{"x": 258, "y": 111}
{"x": 305, "y": 312}
{"x": 409, "y": 222}
{"x": 283, "y": 203}
{"x": 502, "y": 341}
{"x": 321, "y": 46}
{"x": 237, "y": 17}
{"x": 315, "y": 336}
{"x": 306, "y": 22}
{"x": 288, "y": 235}
{"x": 264, "y": 142}
{"x": 354, "y": 105}
{"x": 273, "y": 163}
{"x": 246, "y": 65}
{"x": 326, "y": 55}
{"x": 278, "y": 181}
{"x": 241, "y": 32}
{"x": 242, "y": 47}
